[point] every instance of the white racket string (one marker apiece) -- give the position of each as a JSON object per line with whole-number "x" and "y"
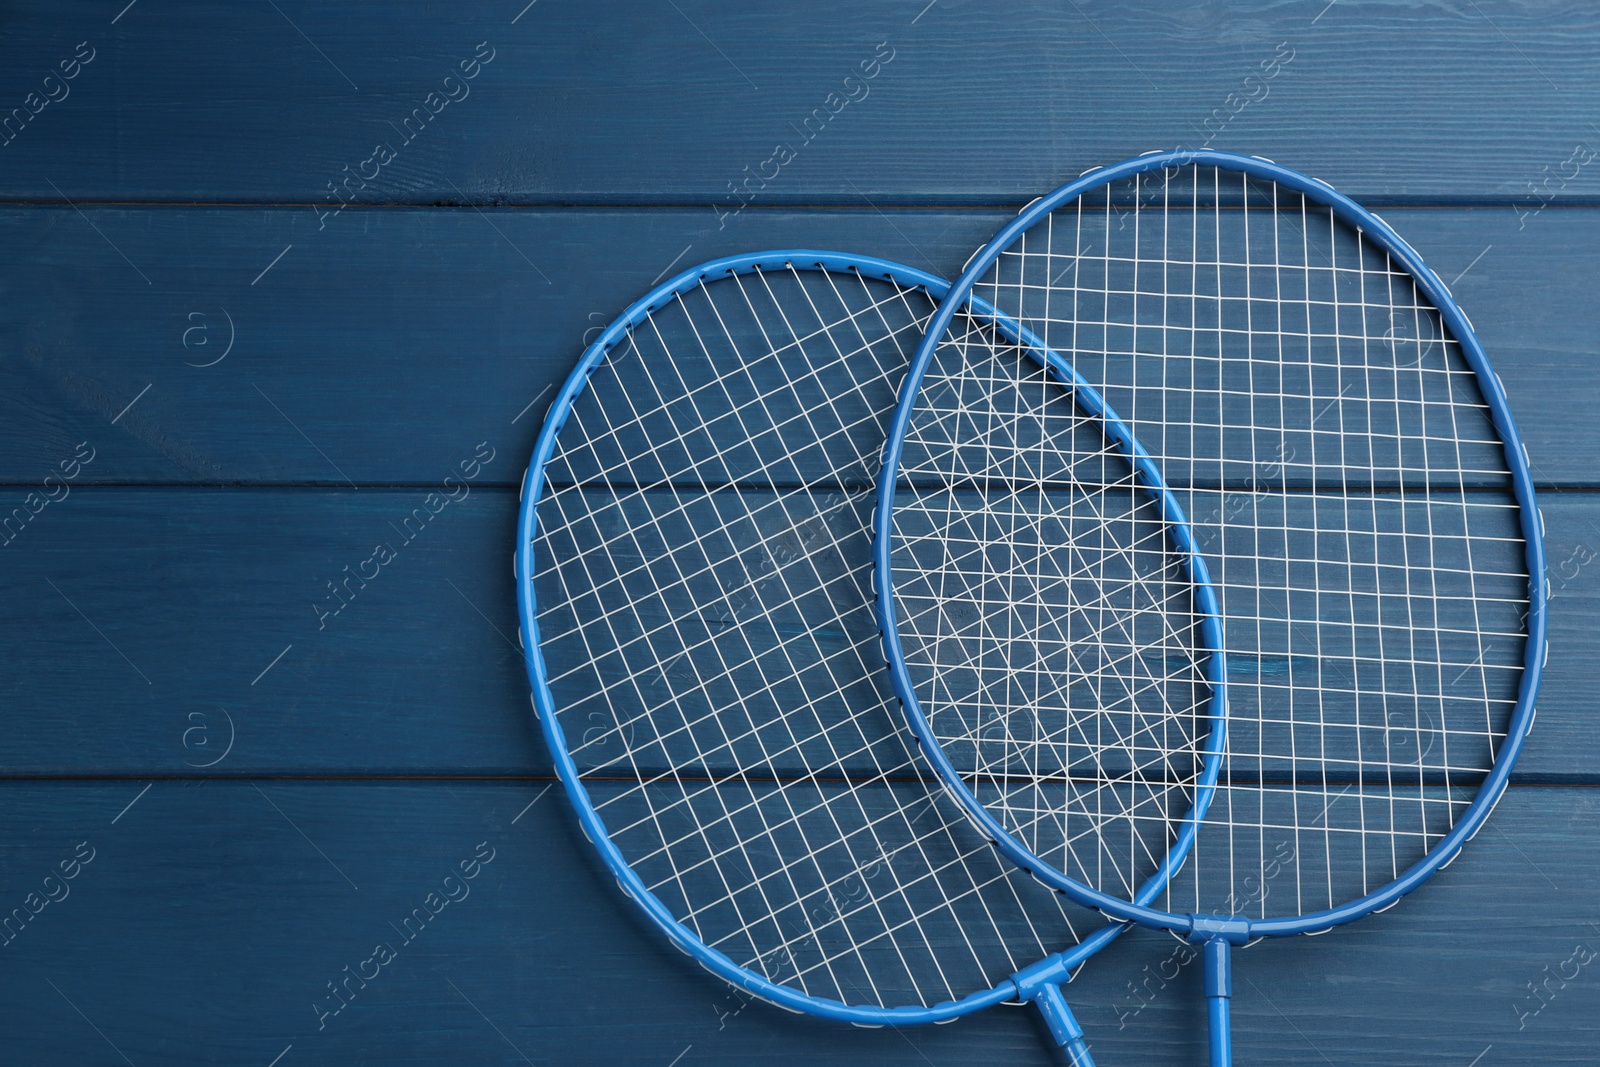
{"x": 702, "y": 573}
{"x": 1043, "y": 614}
{"x": 1348, "y": 489}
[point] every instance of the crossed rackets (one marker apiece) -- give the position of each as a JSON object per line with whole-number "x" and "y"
{"x": 1194, "y": 529}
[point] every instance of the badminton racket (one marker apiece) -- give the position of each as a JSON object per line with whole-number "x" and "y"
{"x": 1329, "y": 422}
{"x": 694, "y": 590}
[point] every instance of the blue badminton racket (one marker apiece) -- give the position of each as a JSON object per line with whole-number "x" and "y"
{"x": 693, "y": 576}
{"x": 1353, "y": 478}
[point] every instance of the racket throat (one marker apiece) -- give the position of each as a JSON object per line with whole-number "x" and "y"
{"x": 1040, "y": 985}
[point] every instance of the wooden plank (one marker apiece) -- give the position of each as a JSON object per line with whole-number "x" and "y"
{"x": 251, "y": 649}
{"x": 212, "y": 917}
{"x": 148, "y": 619}
{"x": 376, "y": 352}
{"x": 468, "y": 340}
{"x": 905, "y": 103}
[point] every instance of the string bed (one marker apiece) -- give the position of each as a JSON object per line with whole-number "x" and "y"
{"x": 1046, "y": 617}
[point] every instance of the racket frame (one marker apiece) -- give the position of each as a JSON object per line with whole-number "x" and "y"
{"x": 1037, "y": 983}
{"x": 1235, "y": 930}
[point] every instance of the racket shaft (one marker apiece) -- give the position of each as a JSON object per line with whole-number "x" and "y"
{"x": 1219, "y": 993}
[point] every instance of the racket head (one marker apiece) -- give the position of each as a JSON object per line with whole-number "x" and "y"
{"x": 1436, "y": 330}
{"x": 1013, "y": 922}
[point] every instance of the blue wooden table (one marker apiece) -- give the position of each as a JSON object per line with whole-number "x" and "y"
{"x": 272, "y": 271}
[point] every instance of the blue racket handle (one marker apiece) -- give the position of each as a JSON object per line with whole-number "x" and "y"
{"x": 1219, "y": 989}
{"x": 1063, "y": 1026}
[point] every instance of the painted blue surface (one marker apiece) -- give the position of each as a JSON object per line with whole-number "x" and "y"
{"x": 373, "y": 351}
{"x": 971, "y": 101}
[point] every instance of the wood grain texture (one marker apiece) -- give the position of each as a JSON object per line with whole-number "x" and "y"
{"x": 132, "y": 610}
{"x": 136, "y": 665}
{"x": 376, "y": 352}
{"x": 190, "y": 101}
{"x": 269, "y": 387}
{"x": 213, "y": 915}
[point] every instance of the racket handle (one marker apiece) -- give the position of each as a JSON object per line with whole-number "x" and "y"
{"x": 1219, "y": 989}
{"x": 1063, "y": 1026}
